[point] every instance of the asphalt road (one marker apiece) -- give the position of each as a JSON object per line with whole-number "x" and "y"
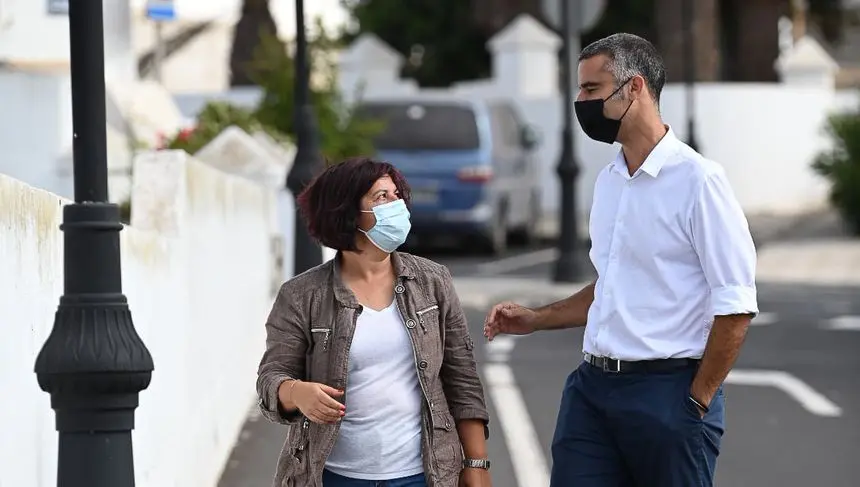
{"x": 804, "y": 432}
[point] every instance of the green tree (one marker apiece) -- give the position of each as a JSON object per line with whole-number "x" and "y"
{"x": 439, "y": 38}
{"x": 632, "y": 16}
{"x": 342, "y": 133}
{"x": 829, "y": 16}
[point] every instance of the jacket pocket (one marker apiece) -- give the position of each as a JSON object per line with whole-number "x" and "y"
{"x": 447, "y": 452}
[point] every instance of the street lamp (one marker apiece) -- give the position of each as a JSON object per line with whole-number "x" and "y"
{"x": 567, "y": 263}
{"x": 93, "y": 363}
{"x": 308, "y": 161}
{"x": 689, "y": 73}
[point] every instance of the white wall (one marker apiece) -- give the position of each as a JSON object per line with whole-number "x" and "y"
{"x": 202, "y": 322}
{"x": 36, "y": 127}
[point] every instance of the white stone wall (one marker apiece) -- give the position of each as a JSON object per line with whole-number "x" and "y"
{"x": 197, "y": 270}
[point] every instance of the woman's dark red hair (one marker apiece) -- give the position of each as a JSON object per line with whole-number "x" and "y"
{"x": 330, "y": 204}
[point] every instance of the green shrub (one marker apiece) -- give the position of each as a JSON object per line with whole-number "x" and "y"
{"x": 213, "y": 119}
{"x": 841, "y": 166}
{"x": 342, "y": 134}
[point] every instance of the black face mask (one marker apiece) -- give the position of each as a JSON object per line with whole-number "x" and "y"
{"x": 594, "y": 123}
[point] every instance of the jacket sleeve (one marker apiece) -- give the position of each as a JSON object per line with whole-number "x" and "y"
{"x": 285, "y": 355}
{"x": 460, "y": 380}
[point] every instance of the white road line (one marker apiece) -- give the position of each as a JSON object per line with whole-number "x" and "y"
{"x": 851, "y": 323}
{"x": 516, "y": 262}
{"x": 500, "y": 348}
{"x": 530, "y": 467}
{"x": 810, "y": 399}
{"x": 764, "y": 319}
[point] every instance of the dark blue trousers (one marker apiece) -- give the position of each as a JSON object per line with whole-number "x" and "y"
{"x": 634, "y": 430}
{"x": 331, "y": 479}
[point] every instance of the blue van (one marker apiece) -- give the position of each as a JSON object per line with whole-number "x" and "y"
{"x": 469, "y": 164}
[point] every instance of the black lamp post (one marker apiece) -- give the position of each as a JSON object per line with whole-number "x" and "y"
{"x": 567, "y": 264}
{"x": 308, "y": 162}
{"x": 689, "y": 72}
{"x": 93, "y": 363}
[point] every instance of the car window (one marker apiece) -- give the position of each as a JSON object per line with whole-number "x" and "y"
{"x": 423, "y": 126}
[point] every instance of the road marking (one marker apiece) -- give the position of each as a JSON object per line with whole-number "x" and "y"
{"x": 764, "y": 319}
{"x": 500, "y": 348}
{"x": 851, "y": 323}
{"x": 516, "y": 262}
{"x": 526, "y": 452}
{"x": 810, "y": 399}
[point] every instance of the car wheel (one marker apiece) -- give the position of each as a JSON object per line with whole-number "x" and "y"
{"x": 497, "y": 236}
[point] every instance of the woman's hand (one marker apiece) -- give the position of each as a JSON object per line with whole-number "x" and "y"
{"x": 475, "y": 477}
{"x": 316, "y": 401}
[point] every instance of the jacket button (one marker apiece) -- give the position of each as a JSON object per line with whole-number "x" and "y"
{"x": 422, "y": 364}
{"x": 447, "y": 425}
{"x": 399, "y": 289}
{"x": 410, "y": 323}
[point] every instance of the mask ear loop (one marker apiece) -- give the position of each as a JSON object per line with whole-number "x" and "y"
{"x": 625, "y": 111}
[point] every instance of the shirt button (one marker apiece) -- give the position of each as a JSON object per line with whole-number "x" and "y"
{"x": 410, "y": 323}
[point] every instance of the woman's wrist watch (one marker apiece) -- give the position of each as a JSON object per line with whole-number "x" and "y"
{"x": 476, "y": 463}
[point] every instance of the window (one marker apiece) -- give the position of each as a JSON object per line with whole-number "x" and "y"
{"x": 423, "y": 126}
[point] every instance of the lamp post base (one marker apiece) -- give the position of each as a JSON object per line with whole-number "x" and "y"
{"x": 93, "y": 363}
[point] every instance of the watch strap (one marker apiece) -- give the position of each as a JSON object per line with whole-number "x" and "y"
{"x": 476, "y": 463}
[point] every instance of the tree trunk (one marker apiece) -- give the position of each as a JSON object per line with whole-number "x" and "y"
{"x": 672, "y": 39}
{"x": 255, "y": 22}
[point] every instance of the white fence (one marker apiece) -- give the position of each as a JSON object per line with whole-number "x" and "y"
{"x": 197, "y": 269}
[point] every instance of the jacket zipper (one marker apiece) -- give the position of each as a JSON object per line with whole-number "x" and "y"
{"x": 305, "y": 439}
{"x": 421, "y": 314}
{"x": 327, "y": 333}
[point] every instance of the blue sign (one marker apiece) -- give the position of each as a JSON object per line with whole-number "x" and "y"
{"x": 58, "y": 7}
{"x": 160, "y": 10}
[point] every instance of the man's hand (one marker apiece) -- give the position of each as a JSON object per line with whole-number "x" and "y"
{"x": 475, "y": 477}
{"x": 509, "y": 318}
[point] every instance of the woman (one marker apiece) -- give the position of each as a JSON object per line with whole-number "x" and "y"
{"x": 368, "y": 358}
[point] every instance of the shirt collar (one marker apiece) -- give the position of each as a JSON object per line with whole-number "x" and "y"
{"x": 655, "y": 161}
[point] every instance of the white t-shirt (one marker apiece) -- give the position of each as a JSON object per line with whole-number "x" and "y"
{"x": 380, "y": 435}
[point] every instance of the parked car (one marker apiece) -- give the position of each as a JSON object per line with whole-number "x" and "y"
{"x": 469, "y": 163}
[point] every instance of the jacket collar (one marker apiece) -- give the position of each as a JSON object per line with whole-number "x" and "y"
{"x": 404, "y": 269}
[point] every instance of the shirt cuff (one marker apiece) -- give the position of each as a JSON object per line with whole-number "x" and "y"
{"x": 734, "y": 300}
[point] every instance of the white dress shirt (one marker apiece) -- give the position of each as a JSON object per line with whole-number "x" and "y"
{"x": 672, "y": 249}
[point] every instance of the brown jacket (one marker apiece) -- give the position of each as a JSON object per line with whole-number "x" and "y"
{"x": 309, "y": 332}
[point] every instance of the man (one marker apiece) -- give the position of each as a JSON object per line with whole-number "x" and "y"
{"x": 674, "y": 296}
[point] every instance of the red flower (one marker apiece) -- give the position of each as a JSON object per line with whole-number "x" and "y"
{"x": 185, "y": 134}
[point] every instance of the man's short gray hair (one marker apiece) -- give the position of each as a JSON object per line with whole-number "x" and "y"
{"x": 630, "y": 55}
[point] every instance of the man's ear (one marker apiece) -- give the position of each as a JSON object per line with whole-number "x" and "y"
{"x": 637, "y": 87}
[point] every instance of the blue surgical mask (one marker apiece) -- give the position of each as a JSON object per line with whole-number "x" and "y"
{"x": 392, "y": 225}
